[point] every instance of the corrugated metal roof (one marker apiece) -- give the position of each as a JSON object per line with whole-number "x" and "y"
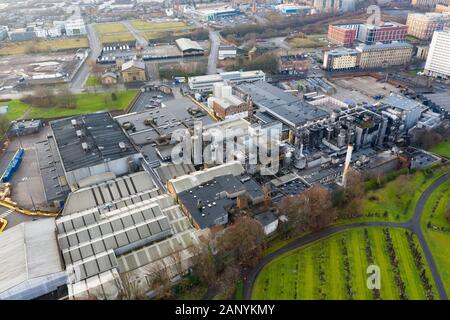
{"x": 28, "y": 251}
{"x": 109, "y": 193}
{"x": 187, "y": 44}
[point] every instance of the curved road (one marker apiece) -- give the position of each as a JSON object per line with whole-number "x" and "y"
{"x": 412, "y": 225}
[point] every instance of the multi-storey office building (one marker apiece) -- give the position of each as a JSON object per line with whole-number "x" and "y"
{"x": 343, "y": 34}
{"x": 340, "y": 59}
{"x": 384, "y": 55}
{"x": 422, "y": 26}
{"x": 385, "y": 33}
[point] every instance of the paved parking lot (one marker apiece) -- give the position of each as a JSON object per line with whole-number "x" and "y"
{"x": 28, "y": 189}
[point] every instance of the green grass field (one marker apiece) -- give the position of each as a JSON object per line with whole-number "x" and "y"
{"x": 147, "y": 25}
{"x": 110, "y": 27}
{"x": 16, "y": 109}
{"x": 113, "y": 32}
{"x": 439, "y": 240}
{"x": 43, "y": 46}
{"x": 92, "y": 81}
{"x": 307, "y": 42}
{"x": 386, "y": 198}
{"x": 442, "y": 149}
{"x": 87, "y": 103}
{"x": 298, "y": 274}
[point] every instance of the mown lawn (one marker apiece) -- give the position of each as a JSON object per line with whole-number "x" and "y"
{"x": 87, "y": 103}
{"x": 43, "y": 46}
{"x": 148, "y": 25}
{"x": 442, "y": 149}
{"x": 317, "y": 270}
{"x": 110, "y": 27}
{"x": 116, "y": 38}
{"x": 16, "y": 109}
{"x": 438, "y": 234}
{"x": 92, "y": 81}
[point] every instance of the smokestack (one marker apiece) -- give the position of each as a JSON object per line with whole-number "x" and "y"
{"x": 348, "y": 159}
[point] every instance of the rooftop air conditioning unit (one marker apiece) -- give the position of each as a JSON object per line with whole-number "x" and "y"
{"x": 85, "y": 146}
{"x": 122, "y": 146}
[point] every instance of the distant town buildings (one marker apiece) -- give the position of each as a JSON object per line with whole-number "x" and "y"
{"x": 429, "y": 3}
{"x": 214, "y": 13}
{"x": 294, "y": 64}
{"x": 225, "y": 105}
{"x": 437, "y": 64}
{"x": 422, "y": 26}
{"x": 292, "y": 8}
{"x": 384, "y": 33}
{"x": 384, "y": 55}
{"x": 346, "y": 34}
{"x": 340, "y": 59}
{"x": 441, "y": 8}
{"x": 206, "y": 83}
{"x": 343, "y": 34}
{"x": 226, "y": 52}
{"x": 133, "y": 71}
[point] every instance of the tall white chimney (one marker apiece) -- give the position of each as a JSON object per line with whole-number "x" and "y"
{"x": 348, "y": 159}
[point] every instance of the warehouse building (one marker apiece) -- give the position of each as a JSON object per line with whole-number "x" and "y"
{"x": 31, "y": 266}
{"x": 93, "y": 144}
{"x": 212, "y": 14}
{"x": 188, "y": 47}
{"x": 225, "y": 105}
{"x": 279, "y": 105}
{"x": 205, "y": 83}
{"x": 122, "y": 226}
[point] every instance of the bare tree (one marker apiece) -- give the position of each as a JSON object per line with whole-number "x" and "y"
{"x": 159, "y": 278}
{"x": 308, "y": 211}
{"x": 242, "y": 242}
{"x": 129, "y": 289}
{"x": 267, "y": 196}
{"x": 204, "y": 265}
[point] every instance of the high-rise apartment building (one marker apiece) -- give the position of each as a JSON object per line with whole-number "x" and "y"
{"x": 438, "y": 65}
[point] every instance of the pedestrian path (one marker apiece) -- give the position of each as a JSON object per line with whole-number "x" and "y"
{"x": 6, "y": 214}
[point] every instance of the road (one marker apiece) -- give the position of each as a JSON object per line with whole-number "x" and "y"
{"x": 416, "y": 228}
{"x": 214, "y": 36}
{"x": 412, "y": 225}
{"x": 79, "y": 79}
{"x": 135, "y": 33}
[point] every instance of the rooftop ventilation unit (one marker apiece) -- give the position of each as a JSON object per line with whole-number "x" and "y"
{"x": 85, "y": 146}
{"x": 122, "y": 146}
{"x": 79, "y": 133}
{"x": 74, "y": 122}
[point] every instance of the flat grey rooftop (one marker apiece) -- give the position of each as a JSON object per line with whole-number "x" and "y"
{"x": 101, "y": 134}
{"x": 440, "y": 99}
{"x": 284, "y": 106}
